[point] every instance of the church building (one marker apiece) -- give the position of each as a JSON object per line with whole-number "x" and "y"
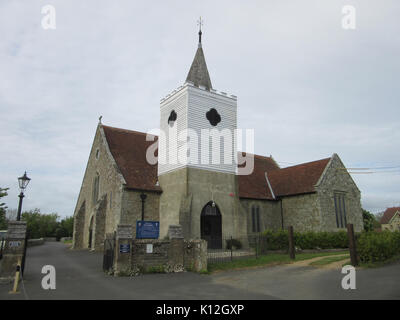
{"x": 210, "y": 199}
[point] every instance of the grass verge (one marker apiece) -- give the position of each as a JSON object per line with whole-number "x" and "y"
{"x": 270, "y": 259}
{"x": 348, "y": 262}
{"x": 328, "y": 260}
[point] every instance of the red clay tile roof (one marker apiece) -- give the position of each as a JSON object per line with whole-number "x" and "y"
{"x": 297, "y": 179}
{"x": 288, "y": 181}
{"x": 388, "y": 214}
{"x": 129, "y": 151}
{"x": 254, "y": 185}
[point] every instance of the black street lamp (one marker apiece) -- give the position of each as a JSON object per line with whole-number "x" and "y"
{"x": 143, "y": 196}
{"x": 23, "y": 183}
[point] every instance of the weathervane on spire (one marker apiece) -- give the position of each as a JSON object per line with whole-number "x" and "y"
{"x": 200, "y": 23}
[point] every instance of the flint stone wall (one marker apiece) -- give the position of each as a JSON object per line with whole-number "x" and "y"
{"x": 35, "y": 242}
{"x": 175, "y": 254}
{"x": 13, "y": 250}
{"x": 172, "y": 255}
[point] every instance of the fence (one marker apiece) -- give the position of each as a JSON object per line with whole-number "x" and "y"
{"x": 254, "y": 246}
{"x": 234, "y": 248}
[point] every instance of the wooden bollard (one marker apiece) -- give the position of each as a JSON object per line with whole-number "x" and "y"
{"x": 292, "y": 254}
{"x": 352, "y": 245}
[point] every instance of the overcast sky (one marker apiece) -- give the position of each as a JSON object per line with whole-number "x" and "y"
{"x": 307, "y": 86}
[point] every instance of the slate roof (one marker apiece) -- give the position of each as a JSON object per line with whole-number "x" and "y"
{"x": 388, "y": 214}
{"x": 128, "y": 149}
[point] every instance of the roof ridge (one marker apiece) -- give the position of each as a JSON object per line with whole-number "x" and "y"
{"x": 127, "y": 130}
{"x": 256, "y": 155}
{"x": 301, "y": 164}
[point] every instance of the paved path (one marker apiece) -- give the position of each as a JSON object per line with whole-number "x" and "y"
{"x": 79, "y": 276}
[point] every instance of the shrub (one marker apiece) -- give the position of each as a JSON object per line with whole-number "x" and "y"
{"x": 323, "y": 240}
{"x": 233, "y": 242}
{"x": 275, "y": 240}
{"x": 378, "y": 246}
{"x": 278, "y": 240}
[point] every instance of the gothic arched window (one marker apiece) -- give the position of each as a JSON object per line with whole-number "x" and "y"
{"x": 255, "y": 218}
{"x": 95, "y": 193}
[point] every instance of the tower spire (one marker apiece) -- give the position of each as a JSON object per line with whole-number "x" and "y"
{"x": 198, "y": 73}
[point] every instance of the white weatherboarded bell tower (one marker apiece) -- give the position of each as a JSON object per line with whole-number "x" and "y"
{"x": 197, "y": 157}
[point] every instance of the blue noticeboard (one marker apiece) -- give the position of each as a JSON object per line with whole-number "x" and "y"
{"x": 124, "y": 248}
{"x": 147, "y": 229}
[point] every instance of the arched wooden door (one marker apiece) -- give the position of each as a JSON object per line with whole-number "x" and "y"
{"x": 211, "y": 225}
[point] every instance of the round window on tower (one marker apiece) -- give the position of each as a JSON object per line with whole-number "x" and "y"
{"x": 213, "y": 116}
{"x": 172, "y": 118}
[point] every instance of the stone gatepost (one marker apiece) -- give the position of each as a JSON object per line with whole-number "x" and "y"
{"x": 13, "y": 249}
{"x": 176, "y": 248}
{"x": 199, "y": 255}
{"x": 123, "y": 250}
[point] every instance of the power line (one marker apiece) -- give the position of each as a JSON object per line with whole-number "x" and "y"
{"x": 370, "y": 172}
{"x": 372, "y": 168}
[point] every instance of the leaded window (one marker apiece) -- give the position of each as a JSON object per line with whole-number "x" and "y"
{"x": 340, "y": 210}
{"x": 96, "y": 188}
{"x": 255, "y": 218}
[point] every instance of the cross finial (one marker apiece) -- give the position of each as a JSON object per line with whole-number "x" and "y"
{"x": 200, "y": 23}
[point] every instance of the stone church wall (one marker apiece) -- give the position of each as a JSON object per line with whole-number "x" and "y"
{"x": 270, "y": 214}
{"x": 174, "y": 186}
{"x": 302, "y": 212}
{"x": 337, "y": 179}
{"x": 132, "y": 207}
{"x": 188, "y": 190}
{"x": 205, "y": 186}
{"x": 110, "y": 185}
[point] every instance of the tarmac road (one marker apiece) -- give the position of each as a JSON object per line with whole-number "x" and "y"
{"x": 79, "y": 275}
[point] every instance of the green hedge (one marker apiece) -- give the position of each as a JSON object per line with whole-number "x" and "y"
{"x": 278, "y": 240}
{"x": 378, "y": 246}
{"x": 371, "y": 246}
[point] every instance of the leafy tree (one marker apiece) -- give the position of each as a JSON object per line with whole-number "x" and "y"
{"x": 3, "y": 220}
{"x": 40, "y": 225}
{"x": 370, "y": 222}
{"x": 65, "y": 228}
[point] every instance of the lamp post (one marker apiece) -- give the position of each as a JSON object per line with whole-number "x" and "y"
{"x": 143, "y": 196}
{"x": 23, "y": 183}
